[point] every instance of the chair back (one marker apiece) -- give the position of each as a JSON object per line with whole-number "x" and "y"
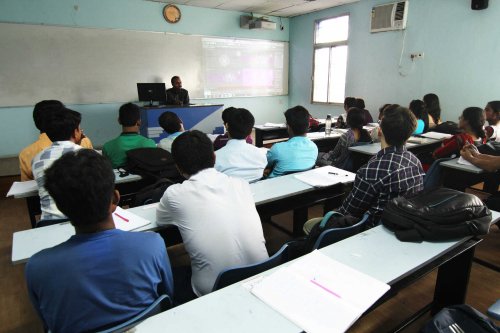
{"x": 348, "y": 163}
{"x": 161, "y": 304}
{"x": 334, "y": 235}
{"x": 433, "y": 177}
{"x": 235, "y": 274}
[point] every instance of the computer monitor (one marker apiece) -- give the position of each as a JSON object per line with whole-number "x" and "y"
{"x": 152, "y": 92}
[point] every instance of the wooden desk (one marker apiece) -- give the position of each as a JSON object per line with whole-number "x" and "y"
{"x": 235, "y": 309}
{"x": 272, "y": 196}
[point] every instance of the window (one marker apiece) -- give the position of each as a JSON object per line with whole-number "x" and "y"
{"x": 330, "y": 59}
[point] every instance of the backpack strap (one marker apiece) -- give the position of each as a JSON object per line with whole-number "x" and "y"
{"x": 327, "y": 217}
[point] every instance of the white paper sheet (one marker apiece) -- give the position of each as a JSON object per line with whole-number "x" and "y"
{"x": 437, "y": 135}
{"x": 325, "y": 176}
{"x": 22, "y": 188}
{"x": 274, "y": 125}
{"x": 319, "y": 294}
{"x": 127, "y": 221}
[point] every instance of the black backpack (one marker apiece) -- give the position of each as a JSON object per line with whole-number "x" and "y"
{"x": 447, "y": 127}
{"x": 151, "y": 193}
{"x": 437, "y": 214}
{"x": 152, "y": 163}
{"x": 460, "y": 318}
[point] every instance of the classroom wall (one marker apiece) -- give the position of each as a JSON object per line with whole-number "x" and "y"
{"x": 99, "y": 120}
{"x": 460, "y": 64}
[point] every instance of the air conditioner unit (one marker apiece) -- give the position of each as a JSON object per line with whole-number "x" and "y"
{"x": 391, "y": 16}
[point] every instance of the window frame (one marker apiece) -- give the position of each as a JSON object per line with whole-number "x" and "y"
{"x": 330, "y": 46}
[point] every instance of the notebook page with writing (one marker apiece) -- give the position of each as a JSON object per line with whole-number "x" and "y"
{"x": 127, "y": 221}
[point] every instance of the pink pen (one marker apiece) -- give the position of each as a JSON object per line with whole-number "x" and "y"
{"x": 124, "y": 219}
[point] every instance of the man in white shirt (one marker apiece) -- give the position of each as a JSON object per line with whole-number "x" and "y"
{"x": 215, "y": 213}
{"x": 238, "y": 158}
{"x": 63, "y": 129}
{"x": 492, "y": 113}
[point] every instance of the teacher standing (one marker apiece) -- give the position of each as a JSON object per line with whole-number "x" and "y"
{"x": 176, "y": 95}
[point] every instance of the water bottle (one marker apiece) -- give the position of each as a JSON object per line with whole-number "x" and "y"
{"x": 328, "y": 125}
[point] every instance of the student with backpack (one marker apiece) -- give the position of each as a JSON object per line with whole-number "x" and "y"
{"x": 392, "y": 172}
{"x": 339, "y": 157}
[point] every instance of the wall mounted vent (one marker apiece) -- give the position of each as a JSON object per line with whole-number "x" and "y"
{"x": 391, "y": 16}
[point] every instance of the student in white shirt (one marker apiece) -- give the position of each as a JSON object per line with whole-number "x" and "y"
{"x": 215, "y": 213}
{"x": 492, "y": 113}
{"x": 238, "y": 158}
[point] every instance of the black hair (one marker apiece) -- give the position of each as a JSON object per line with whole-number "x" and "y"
{"x": 432, "y": 106}
{"x": 170, "y": 122}
{"x": 129, "y": 114}
{"x": 240, "y": 123}
{"x": 174, "y": 78}
{"x": 225, "y": 114}
{"x": 495, "y": 106}
{"x": 193, "y": 151}
{"x": 417, "y": 107}
{"x": 397, "y": 125}
{"x": 360, "y": 103}
{"x": 355, "y": 118}
{"x": 381, "y": 110}
{"x": 298, "y": 119}
{"x": 475, "y": 118}
{"x": 81, "y": 183}
{"x": 62, "y": 123}
{"x": 349, "y": 102}
{"x": 41, "y": 110}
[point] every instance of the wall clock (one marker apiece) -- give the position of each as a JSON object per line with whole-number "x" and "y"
{"x": 172, "y": 13}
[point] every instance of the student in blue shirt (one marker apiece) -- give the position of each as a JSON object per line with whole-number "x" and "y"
{"x": 101, "y": 275}
{"x": 299, "y": 152}
{"x": 417, "y": 107}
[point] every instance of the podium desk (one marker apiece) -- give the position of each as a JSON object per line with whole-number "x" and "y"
{"x": 190, "y": 115}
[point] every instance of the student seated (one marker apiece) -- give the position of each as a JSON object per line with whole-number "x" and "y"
{"x": 172, "y": 125}
{"x": 215, "y": 213}
{"x": 40, "y": 114}
{"x": 433, "y": 109}
{"x": 471, "y": 122}
{"x": 417, "y": 107}
{"x": 299, "y": 152}
{"x": 360, "y": 104}
{"x": 339, "y": 156}
{"x": 101, "y": 275}
{"x": 116, "y": 150}
{"x": 492, "y": 112}
{"x": 63, "y": 129}
{"x": 392, "y": 172}
{"x": 221, "y": 140}
{"x": 238, "y": 158}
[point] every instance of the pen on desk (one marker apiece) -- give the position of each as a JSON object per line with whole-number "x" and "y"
{"x": 124, "y": 219}
{"x": 334, "y": 173}
{"x": 313, "y": 281}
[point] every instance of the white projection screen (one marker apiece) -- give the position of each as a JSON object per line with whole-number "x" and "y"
{"x": 84, "y": 65}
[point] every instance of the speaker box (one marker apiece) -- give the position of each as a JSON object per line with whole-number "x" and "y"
{"x": 479, "y": 4}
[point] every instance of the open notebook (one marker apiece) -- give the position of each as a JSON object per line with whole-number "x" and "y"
{"x": 319, "y": 294}
{"x": 127, "y": 221}
{"x": 325, "y": 176}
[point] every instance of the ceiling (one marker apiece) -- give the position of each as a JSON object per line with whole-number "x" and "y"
{"x": 283, "y": 8}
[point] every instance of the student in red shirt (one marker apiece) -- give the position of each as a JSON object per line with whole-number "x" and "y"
{"x": 471, "y": 122}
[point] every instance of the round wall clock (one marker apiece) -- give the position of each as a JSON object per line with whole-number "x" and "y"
{"x": 172, "y": 13}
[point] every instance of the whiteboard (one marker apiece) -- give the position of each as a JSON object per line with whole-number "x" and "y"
{"x": 84, "y": 65}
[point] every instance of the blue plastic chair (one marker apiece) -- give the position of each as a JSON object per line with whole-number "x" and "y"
{"x": 433, "y": 177}
{"x": 161, "y": 304}
{"x": 235, "y": 274}
{"x": 494, "y": 310}
{"x": 334, "y": 235}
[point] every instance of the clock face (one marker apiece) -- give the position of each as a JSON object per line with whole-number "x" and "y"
{"x": 171, "y": 13}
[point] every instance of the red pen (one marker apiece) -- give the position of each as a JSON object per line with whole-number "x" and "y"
{"x": 124, "y": 219}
